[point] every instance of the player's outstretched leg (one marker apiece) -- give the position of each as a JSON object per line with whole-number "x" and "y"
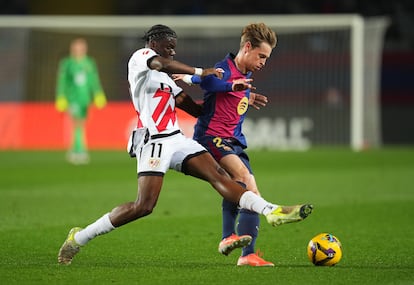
{"x": 69, "y": 248}
{"x": 288, "y": 214}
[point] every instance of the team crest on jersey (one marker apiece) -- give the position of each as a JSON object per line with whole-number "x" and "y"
{"x": 243, "y": 105}
{"x": 154, "y": 162}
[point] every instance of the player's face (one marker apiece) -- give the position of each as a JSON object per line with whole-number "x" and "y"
{"x": 166, "y": 47}
{"x": 78, "y": 48}
{"x": 255, "y": 58}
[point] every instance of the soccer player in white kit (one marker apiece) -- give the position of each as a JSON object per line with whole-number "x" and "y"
{"x": 162, "y": 146}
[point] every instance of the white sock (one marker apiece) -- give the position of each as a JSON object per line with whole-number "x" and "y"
{"x": 101, "y": 226}
{"x": 250, "y": 201}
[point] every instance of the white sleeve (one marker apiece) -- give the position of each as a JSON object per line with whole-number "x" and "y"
{"x": 139, "y": 59}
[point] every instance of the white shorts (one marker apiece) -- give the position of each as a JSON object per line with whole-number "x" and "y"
{"x": 158, "y": 155}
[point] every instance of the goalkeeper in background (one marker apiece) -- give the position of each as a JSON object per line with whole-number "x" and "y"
{"x": 78, "y": 85}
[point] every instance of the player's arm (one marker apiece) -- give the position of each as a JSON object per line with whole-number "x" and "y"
{"x": 187, "y": 104}
{"x": 173, "y": 66}
{"x": 61, "y": 79}
{"x": 61, "y": 103}
{"x": 99, "y": 97}
{"x": 214, "y": 84}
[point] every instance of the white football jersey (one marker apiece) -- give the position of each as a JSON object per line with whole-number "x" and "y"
{"x": 152, "y": 94}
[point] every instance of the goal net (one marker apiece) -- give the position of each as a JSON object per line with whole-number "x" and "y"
{"x": 322, "y": 79}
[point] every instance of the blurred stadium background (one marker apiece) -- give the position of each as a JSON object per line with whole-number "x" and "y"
{"x": 308, "y": 79}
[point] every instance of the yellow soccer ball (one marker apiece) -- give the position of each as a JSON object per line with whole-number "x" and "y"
{"x": 325, "y": 250}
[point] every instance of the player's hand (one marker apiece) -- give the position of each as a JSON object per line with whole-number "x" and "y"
{"x": 186, "y": 78}
{"x": 177, "y": 77}
{"x": 257, "y": 100}
{"x": 242, "y": 84}
{"x": 215, "y": 71}
{"x": 99, "y": 100}
{"x": 61, "y": 103}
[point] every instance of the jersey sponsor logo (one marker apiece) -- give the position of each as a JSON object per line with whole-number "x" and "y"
{"x": 80, "y": 78}
{"x": 242, "y": 106}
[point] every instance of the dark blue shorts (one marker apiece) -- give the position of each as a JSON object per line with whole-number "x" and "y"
{"x": 219, "y": 147}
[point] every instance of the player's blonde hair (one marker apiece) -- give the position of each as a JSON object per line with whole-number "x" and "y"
{"x": 256, "y": 34}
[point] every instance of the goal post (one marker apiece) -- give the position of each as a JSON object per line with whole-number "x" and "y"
{"x": 322, "y": 79}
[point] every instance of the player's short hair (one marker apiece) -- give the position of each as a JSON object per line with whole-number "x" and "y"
{"x": 258, "y": 33}
{"x": 158, "y": 32}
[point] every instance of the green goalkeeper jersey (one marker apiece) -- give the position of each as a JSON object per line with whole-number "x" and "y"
{"x": 78, "y": 80}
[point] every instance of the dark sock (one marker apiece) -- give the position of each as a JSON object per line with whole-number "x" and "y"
{"x": 229, "y": 211}
{"x": 248, "y": 224}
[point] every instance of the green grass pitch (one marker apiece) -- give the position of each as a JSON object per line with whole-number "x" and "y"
{"x": 366, "y": 199}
